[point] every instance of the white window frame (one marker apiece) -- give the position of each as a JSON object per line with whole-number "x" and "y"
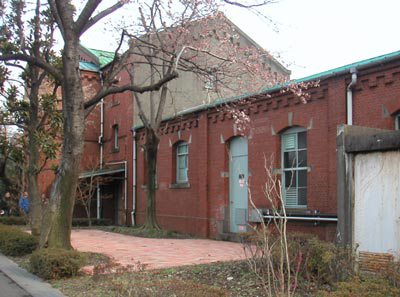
{"x": 292, "y": 131}
{"x": 180, "y": 155}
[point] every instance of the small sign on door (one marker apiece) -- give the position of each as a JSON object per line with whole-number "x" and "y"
{"x": 241, "y": 180}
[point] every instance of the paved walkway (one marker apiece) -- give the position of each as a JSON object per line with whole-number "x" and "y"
{"x": 155, "y": 253}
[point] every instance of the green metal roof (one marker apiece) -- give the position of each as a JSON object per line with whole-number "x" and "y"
{"x": 319, "y": 76}
{"x": 104, "y": 57}
{"x": 88, "y": 66}
{"x": 360, "y": 64}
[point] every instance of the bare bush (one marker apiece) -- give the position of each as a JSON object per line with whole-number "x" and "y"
{"x": 279, "y": 260}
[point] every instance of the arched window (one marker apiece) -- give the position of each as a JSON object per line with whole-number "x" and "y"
{"x": 182, "y": 162}
{"x": 294, "y": 167}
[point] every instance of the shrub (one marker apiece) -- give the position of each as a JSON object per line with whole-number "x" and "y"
{"x": 55, "y": 263}
{"x": 84, "y": 222}
{"x": 392, "y": 273}
{"x": 310, "y": 258}
{"x": 327, "y": 262}
{"x": 15, "y": 242}
{"x": 13, "y": 220}
{"x": 363, "y": 287}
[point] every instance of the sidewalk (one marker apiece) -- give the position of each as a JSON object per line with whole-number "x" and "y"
{"x": 155, "y": 253}
{"x": 33, "y": 285}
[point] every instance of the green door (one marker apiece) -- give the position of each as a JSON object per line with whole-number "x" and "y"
{"x": 238, "y": 175}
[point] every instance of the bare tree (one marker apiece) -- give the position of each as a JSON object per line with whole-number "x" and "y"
{"x": 72, "y": 24}
{"x": 196, "y": 41}
{"x": 268, "y": 251}
{"x": 87, "y": 187}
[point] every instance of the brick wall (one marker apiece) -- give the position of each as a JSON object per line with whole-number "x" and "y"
{"x": 374, "y": 262}
{"x": 201, "y": 208}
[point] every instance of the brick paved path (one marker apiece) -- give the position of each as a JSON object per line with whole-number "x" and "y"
{"x": 155, "y": 253}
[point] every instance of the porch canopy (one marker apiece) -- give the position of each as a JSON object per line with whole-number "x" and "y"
{"x": 103, "y": 171}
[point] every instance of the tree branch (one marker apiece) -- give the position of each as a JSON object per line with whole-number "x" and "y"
{"x": 86, "y": 13}
{"x": 35, "y": 61}
{"x": 92, "y": 21}
{"x": 242, "y": 5}
{"x": 114, "y": 90}
{"x": 57, "y": 18}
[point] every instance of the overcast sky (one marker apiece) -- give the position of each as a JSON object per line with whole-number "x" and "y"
{"x": 312, "y": 35}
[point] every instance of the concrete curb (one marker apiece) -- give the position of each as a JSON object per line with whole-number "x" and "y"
{"x": 32, "y": 284}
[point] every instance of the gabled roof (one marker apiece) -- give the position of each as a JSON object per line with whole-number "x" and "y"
{"x": 255, "y": 44}
{"x": 104, "y": 57}
{"x": 99, "y": 58}
{"x": 375, "y": 61}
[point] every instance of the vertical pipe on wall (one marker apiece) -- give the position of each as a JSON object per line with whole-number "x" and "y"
{"x": 353, "y": 72}
{"x": 133, "y": 213}
{"x": 100, "y": 141}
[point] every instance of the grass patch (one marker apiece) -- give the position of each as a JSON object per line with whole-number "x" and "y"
{"x": 95, "y": 258}
{"x": 13, "y": 220}
{"x": 221, "y": 279}
{"x": 141, "y": 232}
{"x": 363, "y": 286}
{"x": 214, "y": 280}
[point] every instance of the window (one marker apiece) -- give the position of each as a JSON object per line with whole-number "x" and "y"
{"x": 397, "y": 122}
{"x": 294, "y": 168}
{"x": 182, "y": 156}
{"x": 115, "y": 132}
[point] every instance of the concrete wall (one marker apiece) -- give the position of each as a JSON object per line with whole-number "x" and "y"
{"x": 377, "y": 202}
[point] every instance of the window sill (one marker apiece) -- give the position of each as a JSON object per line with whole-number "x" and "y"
{"x": 115, "y": 103}
{"x": 144, "y": 187}
{"x": 180, "y": 186}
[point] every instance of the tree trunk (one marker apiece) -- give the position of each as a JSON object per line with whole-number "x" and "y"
{"x": 89, "y": 210}
{"x": 35, "y": 209}
{"x": 151, "y": 149}
{"x": 57, "y": 225}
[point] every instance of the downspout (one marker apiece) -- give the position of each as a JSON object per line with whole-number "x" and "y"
{"x": 125, "y": 184}
{"x": 133, "y": 213}
{"x": 100, "y": 141}
{"x": 353, "y": 72}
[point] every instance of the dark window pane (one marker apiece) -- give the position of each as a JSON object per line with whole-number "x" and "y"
{"x": 302, "y": 196}
{"x": 302, "y": 159}
{"x": 302, "y": 178}
{"x": 289, "y": 159}
{"x": 290, "y": 179}
{"x": 302, "y": 140}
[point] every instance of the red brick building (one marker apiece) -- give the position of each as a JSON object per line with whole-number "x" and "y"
{"x": 203, "y": 160}
{"x": 204, "y": 163}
